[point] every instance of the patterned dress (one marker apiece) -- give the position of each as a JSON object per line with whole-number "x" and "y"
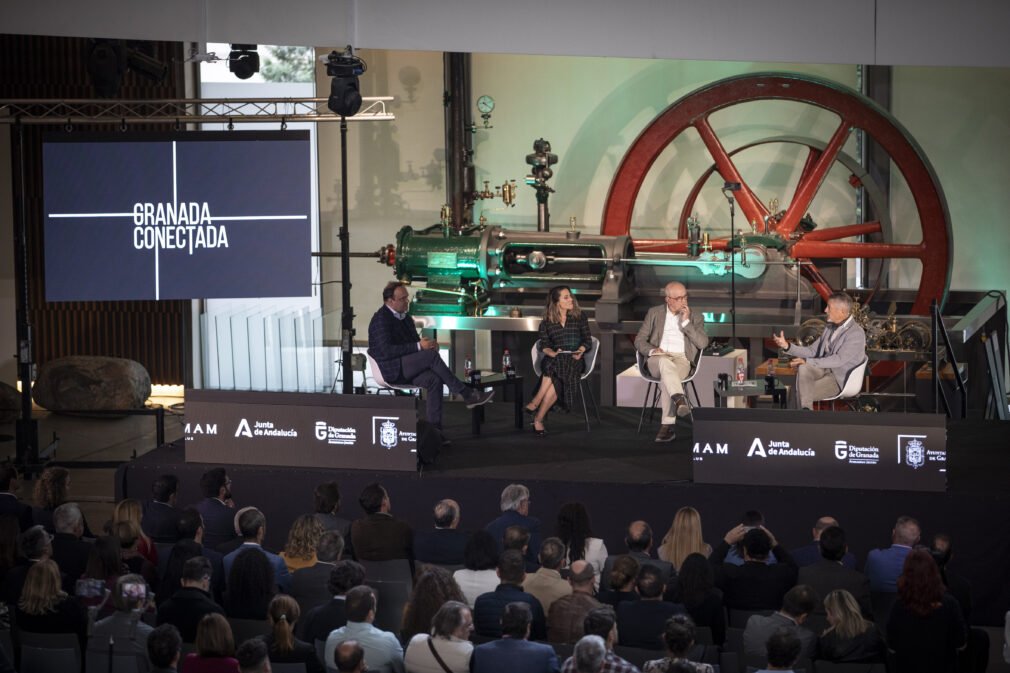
{"x": 563, "y": 369}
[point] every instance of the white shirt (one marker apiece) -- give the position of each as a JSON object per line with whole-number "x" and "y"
{"x": 473, "y": 583}
{"x": 673, "y": 336}
{"x": 454, "y": 652}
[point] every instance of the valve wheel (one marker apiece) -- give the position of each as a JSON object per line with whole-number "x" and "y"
{"x": 934, "y": 250}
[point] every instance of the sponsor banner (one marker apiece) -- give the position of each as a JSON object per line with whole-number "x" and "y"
{"x": 820, "y": 449}
{"x": 299, "y": 429}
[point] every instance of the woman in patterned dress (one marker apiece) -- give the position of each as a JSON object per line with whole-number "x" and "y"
{"x": 564, "y": 340}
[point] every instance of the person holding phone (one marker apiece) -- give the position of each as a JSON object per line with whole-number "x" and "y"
{"x": 564, "y": 339}
{"x": 670, "y": 337}
{"x": 125, "y": 627}
{"x": 822, "y": 366}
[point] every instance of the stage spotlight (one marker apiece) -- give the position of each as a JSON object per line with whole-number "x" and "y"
{"x": 106, "y": 66}
{"x": 243, "y": 60}
{"x": 345, "y": 97}
{"x": 140, "y": 59}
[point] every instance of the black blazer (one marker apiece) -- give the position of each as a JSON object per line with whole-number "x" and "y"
{"x": 753, "y": 585}
{"x": 161, "y": 521}
{"x": 218, "y": 522}
{"x": 185, "y": 609}
{"x": 443, "y": 546}
{"x": 389, "y": 339}
{"x": 310, "y": 586}
{"x": 321, "y": 620}
{"x": 9, "y": 504}
{"x": 641, "y": 623}
{"x": 826, "y": 576}
{"x": 381, "y": 537}
{"x": 70, "y": 554}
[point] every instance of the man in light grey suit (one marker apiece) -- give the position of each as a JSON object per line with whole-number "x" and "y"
{"x": 670, "y": 337}
{"x": 822, "y": 366}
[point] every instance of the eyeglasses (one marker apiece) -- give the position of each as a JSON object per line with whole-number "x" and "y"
{"x": 678, "y": 298}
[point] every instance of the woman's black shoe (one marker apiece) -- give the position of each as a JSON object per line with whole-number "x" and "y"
{"x": 539, "y": 433}
{"x": 530, "y": 412}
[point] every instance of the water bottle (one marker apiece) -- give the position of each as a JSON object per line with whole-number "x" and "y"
{"x": 468, "y": 370}
{"x": 506, "y": 364}
{"x": 741, "y": 370}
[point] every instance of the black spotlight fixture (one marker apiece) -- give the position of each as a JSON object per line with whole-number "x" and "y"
{"x": 106, "y": 64}
{"x": 345, "y": 96}
{"x": 243, "y": 60}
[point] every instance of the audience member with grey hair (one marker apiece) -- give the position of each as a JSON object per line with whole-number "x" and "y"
{"x": 515, "y": 507}
{"x": 35, "y": 545}
{"x": 513, "y": 651}
{"x": 883, "y": 566}
{"x": 546, "y": 583}
{"x": 69, "y": 551}
{"x": 589, "y": 655}
{"x": 444, "y": 544}
{"x": 450, "y": 632}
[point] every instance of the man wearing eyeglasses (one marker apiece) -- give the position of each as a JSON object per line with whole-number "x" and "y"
{"x": 670, "y": 338}
{"x": 405, "y": 357}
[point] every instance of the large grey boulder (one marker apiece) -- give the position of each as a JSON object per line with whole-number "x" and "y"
{"x": 91, "y": 383}
{"x": 10, "y": 403}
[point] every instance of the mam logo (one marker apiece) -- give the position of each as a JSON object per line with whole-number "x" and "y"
{"x": 200, "y": 429}
{"x": 757, "y": 449}
{"x": 384, "y": 431}
{"x": 243, "y": 429}
{"x": 841, "y": 449}
{"x": 721, "y": 449}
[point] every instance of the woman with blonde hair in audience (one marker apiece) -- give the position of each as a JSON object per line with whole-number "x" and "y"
{"x": 129, "y": 548}
{"x": 215, "y": 648}
{"x": 130, "y": 510}
{"x": 623, "y": 574}
{"x": 683, "y": 538}
{"x": 45, "y": 608}
{"x": 433, "y": 588}
{"x": 52, "y": 490}
{"x": 300, "y": 551}
{"x": 850, "y": 638}
{"x": 284, "y": 648}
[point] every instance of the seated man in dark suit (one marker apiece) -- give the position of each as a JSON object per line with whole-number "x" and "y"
{"x": 69, "y": 551}
{"x": 444, "y": 544}
{"x": 253, "y": 526}
{"x": 755, "y": 585}
{"x": 161, "y": 517}
{"x": 638, "y": 540}
{"x": 189, "y": 604}
{"x": 489, "y": 607}
{"x": 640, "y": 623}
{"x": 190, "y": 527}
{"x": 513, "y": 652}
{"x": 404, "y": 357}
{"x": 515, "y": 511}
{"x": 9, "y": 503}
{"x": 379, "y": 536}
{"x": 217, "y": 508}
{"x": 830, "y": 573}
{"x": 308, "y": 585}
{"x": 797, "y": 605}
{"x": 809, "y": 554}
{"x": 330, "y": 616}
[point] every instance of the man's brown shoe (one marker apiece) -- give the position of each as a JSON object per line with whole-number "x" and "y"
{"x": 666, "y": 434}
{"x": 681, "y": 406}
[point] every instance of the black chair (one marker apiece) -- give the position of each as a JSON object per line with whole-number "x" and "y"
{"x": 637, "y": 655}
{"x": 287, "y": 668}
{"x": 823, "y": 666}
{"x": 738, "y": 618}
{"x": 703, "y": 635}
{"x": 584, "y": 389}
{"x": 244, "y": 629}
{"x": 393, "y": 570}
{"x": 47, "y": 652}
{"x": 392, "y": 598}
{"x": 563, "y": 650}
{"x": 882, "y": 602}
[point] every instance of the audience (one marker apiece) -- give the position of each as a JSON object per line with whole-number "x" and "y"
{"x": 782, "y": 650}
{"x": 253, "y": 526}
{"x": 640, "y": 623}
{"x": 489, "y": 607}
{"x": 303, "y": 536}
{"x": 513, "y": 651}
{"x": 69, "y": 551}
{"x": 330, "y": 616}
{"x": 215, "y": 648}
{"x": 445, "y": 544}
{"x": 124, "y": 627}
{"x": 850, "y": 637}
{"x": 36, "y": 546}
{"x": 574, "y": 530}
{"x": 189, "y": 604}
{"x": 695, "y": 589}
{"x": 797, "y": 605}
{"x": 160, "y": 518}
{"x": 45, "y": 608}
{"x": 9, "y": 503}
{"x": 752, "y": 518}
{"x": 379, "y": 536}
{"x": 128, "y": 534}
{"x": 684, "y": 538}
{"x": 251, "y": 586}
{"x": 518, "y": 538}
{"x": 350, "y": 657}
{"x": 164, "y": 649}
{"x": 447, "y": 649}
{"x": 326, "y": 504}
{"x": 831, "y": 572}
{"x": 602, "y": 622}
{"x": 567, "y": 614}
{"x": 382, "y": 648}
{"x": 130, "y": 510}
{"x": 755, "y": 585}
{"x": 308, "y": 585}
{"x": 678, "y": 638}
{"x": 217, "y": 507}
{"x": 925, "y": 628}
{"x": 284, "y": 647}
{"x": 810, "y": 554}
{"x": 10, "y": 531}
{"x": 621, "y": 581}
{"x": 638, "y": 540}
{"x": 515, "y": 511}
{"x": 105, "y": 565}
{"x": 253, "y": 657}
{"x": 546, "y": 583}
{"x": 883, "y": 566}
{"x": 52, "y": 489}
{"x": 190, "y": 529}
{"x": 433, "y": 588}
{"x": 589, "y": 654}
{"x": 479, "y": 573}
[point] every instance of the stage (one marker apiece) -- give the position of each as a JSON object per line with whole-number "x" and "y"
{"x": 622, "y": 475}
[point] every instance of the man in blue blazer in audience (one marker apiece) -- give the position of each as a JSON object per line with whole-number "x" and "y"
{"x": 514, "y": 652}
{"x": 253, "y": 525}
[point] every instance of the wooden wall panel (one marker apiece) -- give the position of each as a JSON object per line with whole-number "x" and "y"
{"x": 156, "y": 334}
